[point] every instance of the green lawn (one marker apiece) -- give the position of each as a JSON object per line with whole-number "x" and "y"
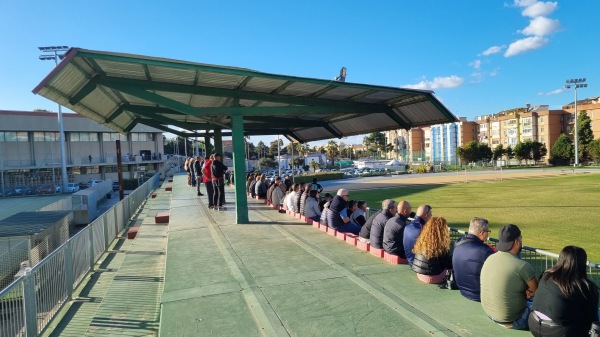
{"x": 551, "y": 212}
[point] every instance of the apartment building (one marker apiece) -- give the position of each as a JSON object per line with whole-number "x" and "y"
{"x": 30, "y": 149}
{"x": 510, "y": 127}
{"x": 592, "y": 107}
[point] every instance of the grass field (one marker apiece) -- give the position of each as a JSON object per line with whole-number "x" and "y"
{"x": 551, "y": 212}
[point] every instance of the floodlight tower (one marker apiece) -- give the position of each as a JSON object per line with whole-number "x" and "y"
{"x": 51, "y": 53}
{"x": 576, "y": 83}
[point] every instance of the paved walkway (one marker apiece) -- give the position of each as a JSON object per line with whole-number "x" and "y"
{"x": 273, "y": 277}
{"x": 279, "y": 277}
{"x": 121, "y": 296}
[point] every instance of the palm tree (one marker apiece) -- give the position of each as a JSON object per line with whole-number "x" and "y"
{"x": 332, "y": 150}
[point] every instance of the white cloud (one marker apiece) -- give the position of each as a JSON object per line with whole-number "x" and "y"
{"x": 437, "y": 83}
{"x": 553, "y": 92}
{"x": 539, "y": 8}
{"x": 476, "y": 64}
{"x": 541, "y": 26}
{"x": 493, "y": 50}
{"x": 525, "y": 45}
{"x": 494, "y": 72}
{"x": 524, "y": 3}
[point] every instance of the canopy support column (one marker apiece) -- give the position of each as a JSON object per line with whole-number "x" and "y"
{"x": 207, "y": 147}
{"x": 239, "y": 169}
{"x": 219, "y": 141}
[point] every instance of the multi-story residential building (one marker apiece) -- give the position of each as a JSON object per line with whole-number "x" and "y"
{"x": 30, "y": 149}
{"x": 592, "y": 107}
{"x": 447, "y": 138}
{"x": 510, "y": 127}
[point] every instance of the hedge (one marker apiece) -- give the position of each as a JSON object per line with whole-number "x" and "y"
{"x": 308, "y": 178}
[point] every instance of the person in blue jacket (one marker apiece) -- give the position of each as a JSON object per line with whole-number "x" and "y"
{"x": 470, "y": 252}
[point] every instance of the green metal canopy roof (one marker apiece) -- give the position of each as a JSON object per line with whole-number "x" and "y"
{"x": 122, "y": 90}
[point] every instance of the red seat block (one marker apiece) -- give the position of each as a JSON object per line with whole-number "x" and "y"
{"x": 394, "y": 259}
{"x": 154, "y": 195}
{"x": 376, "y": 252}
{"x": 351, "y": 238}
{"x": 316, "y": 224}
{"x": 170, "y": 180}
{"x": 324, "y": 228}
{"x": 363, "y": 246}
{"x": 309, "y": 221}
{"x": 297, "y": 215}
{"x": 169, "y": 188}
{"x": 161, "y": 217}
{"x": 341, "y": 236}
{"x": 132, "y": 232}
{"x": 331, "y": 231}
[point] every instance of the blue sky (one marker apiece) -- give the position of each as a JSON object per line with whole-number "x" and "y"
{"x": 480, "y": 57}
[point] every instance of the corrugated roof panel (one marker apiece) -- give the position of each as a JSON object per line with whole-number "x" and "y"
{"x": 134, "y": 100}
{"x": 310, "y": 134}
{"x": 302, "y": 89}
{"x": 69, "y": 81}
{"x": 342, "y": 93}
{"x": 378, "y": 97}
{"x": 104, "y": 103}
{"x": 122, "y": 69}
{"x": 176, "y": 96}
{"x": 218, "y": 80}
{"x": 269, "y": 104}
{"x": 172, "y": 75}
{"x": 201, "y": 101}
{"x": 364, "y": 122}
{"x": 261, "y": 84}
{"x": 422, "y": 113}
{"x": 123, "y": 119}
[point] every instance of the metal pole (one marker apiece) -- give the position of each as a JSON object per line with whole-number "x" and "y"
{"x": 278, "y": 156}
{"x": 576, "y": 131}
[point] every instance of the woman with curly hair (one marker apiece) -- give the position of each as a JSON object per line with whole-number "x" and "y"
{"x": 432, "y": 251}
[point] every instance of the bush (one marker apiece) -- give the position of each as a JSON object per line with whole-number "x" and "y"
{"x": 308, "y": 178}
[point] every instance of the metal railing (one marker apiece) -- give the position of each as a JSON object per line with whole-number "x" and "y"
{"x": 29, "y": 303}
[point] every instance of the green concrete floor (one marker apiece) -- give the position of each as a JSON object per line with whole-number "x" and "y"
{"x": 273, "y": 277}
{"x": 279, "y": 277}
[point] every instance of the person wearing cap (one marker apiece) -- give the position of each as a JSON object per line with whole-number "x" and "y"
{"x": 470, "y": 252}
{"x": 507, "y": 282}
{"x": 218, "y": 179}
{"x": 413, "y": 230}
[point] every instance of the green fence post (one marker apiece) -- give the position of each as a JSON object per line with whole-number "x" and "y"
{"x": 30, "y": 303}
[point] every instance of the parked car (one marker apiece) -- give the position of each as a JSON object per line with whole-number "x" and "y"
{"x": 95, "y": 182}
{"x": 46, "y": 189}
{"x": 57, "y": 188}
{"x": 23, "y": 190}
{"x": 83, "y": 186}
{"x": 115, "y": 185}
{"x": 7, "y": 192}
{"x": 72, "y": 187}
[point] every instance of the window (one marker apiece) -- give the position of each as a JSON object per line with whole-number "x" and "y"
{"x": 542, "y": 140}
{"x": 112, "y": 136}
{"x": 45, "y": 136}
{"x": 541, "y": 119}
{"x": 542, "y": 129}
{"x": 10, "y": 136}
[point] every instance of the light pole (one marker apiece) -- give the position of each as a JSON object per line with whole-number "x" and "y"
{"x": 576, "y": 83}
{"x": 52, "y": 54}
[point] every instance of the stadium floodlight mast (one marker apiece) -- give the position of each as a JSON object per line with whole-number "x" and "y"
{"x": 51, "y": 53}
{"x": 576, "y": 83}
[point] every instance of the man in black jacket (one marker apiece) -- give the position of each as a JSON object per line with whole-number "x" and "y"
{"x": 393, "y": 232}
{"x": 218, "y": 179}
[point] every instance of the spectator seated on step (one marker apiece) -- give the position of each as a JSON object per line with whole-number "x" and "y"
{"x": 307, "y": 188}
{"x": 358, "y": 215}
{"x": 261, "y": 187}
{"x": 432, "y": 258}
{"x": 389, "y": 210}
{"x": 365, "y": 232}
{"x": 413, "y": 230}
{"x": 311, "y": 209}
{"x": 470, "y": 252}
{"x": 337, "y": 217}
{"x": 393, "y": 232}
